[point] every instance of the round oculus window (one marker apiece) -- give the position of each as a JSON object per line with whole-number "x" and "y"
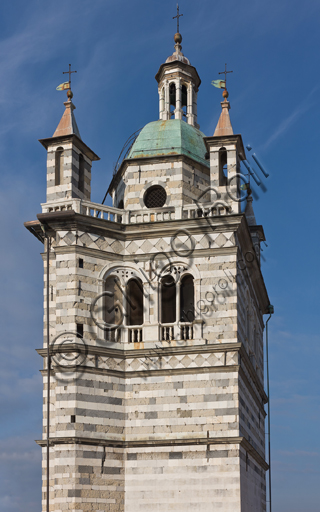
{"x": 155, "y": 197}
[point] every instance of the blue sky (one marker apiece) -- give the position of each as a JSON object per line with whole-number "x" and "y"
{"x": 117, "y": 47}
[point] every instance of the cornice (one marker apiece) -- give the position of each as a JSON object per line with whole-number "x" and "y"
{"x": 74, "y": 139}
{"x": 216, "y": 141}
{"x": 167, "y": 66}
{"x": 146, "y": 352}
{"x": 145, "y": 443}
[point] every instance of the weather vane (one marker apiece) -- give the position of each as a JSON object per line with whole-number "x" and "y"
{"x": 66, "y": 86}
{"x": 178, "y": 16}
{"x": 222, "y": 84}
{"x": 69, "y": 72}
{"x": 225, "y": 72}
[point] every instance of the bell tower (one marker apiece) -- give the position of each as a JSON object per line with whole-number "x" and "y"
{"x": 156, "y": 391}
{"x": 178, "y": 85}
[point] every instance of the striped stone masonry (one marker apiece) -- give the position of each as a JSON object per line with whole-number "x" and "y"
{"x": 159, "y": 423}
{"x": 155, "y": 309}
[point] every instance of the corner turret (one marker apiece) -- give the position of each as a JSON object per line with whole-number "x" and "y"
{"x": 69, "y": 159}
{"x": 226, "y": 151}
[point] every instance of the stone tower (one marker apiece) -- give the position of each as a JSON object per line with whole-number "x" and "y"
{"x": 156, "y": 319}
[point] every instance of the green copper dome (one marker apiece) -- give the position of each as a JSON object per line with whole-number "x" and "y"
{"x": 172, "y": 137}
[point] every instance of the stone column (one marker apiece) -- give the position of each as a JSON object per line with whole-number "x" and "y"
{"x": 166, "y": 114}
{"x": 146, "y": 303}
{"x": 190, "y": 116}
{"x": 195, "y": 109}
{"x": 177, "y": 322}
{"x": 178, "y": 110}
{"x": 214, "y": 173}
{"x": 232, "y": 178}
{"x": 161, "y": 103}
{"x": 157, "y": 302}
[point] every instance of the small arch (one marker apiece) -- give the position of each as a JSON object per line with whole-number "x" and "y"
{"x": 168, "y": 300}
{"x": 59, "y": 161}
{"x": 175, "y": 261}
{"x": 81, "y": 173}
{"x": 172, "y": 97}
{"x": 223, "y": 166}
{"x": 187, "y": 299}
{"x": 117, "y": 270}
{"x": 112, "y": 306}
{"x": 135, "y": 301}
{"x": 184, "y": 96}
{"x": 184, "y": 99}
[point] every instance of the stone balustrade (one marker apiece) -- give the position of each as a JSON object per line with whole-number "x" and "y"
{"x": 194, "y": 211}
{"x": 109, "y": 213}
{"x": 134, "y": 333}
{"x": 179, "y": 330}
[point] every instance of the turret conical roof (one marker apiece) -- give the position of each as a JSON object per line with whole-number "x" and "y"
{"x": 68, "y": 124}
{"x": 224, "y": 126}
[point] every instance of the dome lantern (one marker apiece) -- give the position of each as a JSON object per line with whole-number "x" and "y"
{"x": 178, "y": 87}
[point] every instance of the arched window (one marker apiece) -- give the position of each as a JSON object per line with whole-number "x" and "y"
{"x": 172, "y": 97}
{"x": 223, "y": 169}
{"x": 184, "y": 99}
{"x": 168, "y": 300}
{"x": 113, "y": 311}
{"x": 134, "y": 300}
{"x": 120, "y": 204}
{"x": 81, "y": 173}
{"x": 59, "y": 160}
{"x": 187, "y": 299}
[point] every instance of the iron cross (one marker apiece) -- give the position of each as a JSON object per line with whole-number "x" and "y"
{"x": 69, "y": 72}
{"x": 225, "y": 72}
{"x": 178, "y": 16}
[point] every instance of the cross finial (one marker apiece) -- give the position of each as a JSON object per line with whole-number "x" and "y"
{"x": 69, "y": 72}
{"x": 225, "y": 72}
{"x": 178, "y": 16}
